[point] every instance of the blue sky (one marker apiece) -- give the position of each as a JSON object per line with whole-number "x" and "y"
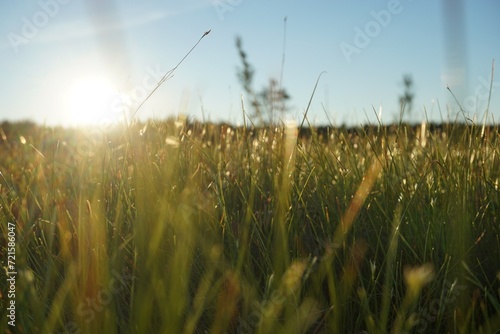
{"x": 57, "y": 56}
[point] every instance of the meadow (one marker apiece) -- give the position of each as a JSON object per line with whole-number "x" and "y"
{"x": 184, "y": 227}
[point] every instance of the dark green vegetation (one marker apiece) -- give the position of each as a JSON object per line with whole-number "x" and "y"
{"x": 171, "y": 227}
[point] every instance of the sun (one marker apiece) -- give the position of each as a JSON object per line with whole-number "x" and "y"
{"x": 90, "y": 100}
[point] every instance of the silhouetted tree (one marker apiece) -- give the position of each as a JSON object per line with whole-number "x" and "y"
{"x": 245, "y": 74}
{"x": 270, "y": 99}
{"x": 406, "y": 100}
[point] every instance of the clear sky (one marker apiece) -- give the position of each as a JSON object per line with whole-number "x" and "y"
{"x": 69, "y": 61}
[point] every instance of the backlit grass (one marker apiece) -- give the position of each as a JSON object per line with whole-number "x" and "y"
{"x": 179, "y": 227}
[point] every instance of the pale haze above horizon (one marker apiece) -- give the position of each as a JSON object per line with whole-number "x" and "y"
{"x": 68, "y": 62}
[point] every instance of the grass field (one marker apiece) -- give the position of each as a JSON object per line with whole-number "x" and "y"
{"x": 178, "y": 227}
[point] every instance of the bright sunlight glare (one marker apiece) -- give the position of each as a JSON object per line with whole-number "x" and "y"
{"x": 90, "y": 100}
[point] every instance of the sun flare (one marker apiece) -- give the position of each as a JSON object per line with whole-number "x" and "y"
{"x": 91, "y": 100}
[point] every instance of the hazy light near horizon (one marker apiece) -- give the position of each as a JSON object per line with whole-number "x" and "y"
{"x": 90, "y": 99}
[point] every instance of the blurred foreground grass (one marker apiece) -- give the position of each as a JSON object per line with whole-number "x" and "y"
{"x": 177, "y": 227}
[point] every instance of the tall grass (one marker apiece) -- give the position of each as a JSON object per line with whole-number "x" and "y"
{"x": 179, "y": 227}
